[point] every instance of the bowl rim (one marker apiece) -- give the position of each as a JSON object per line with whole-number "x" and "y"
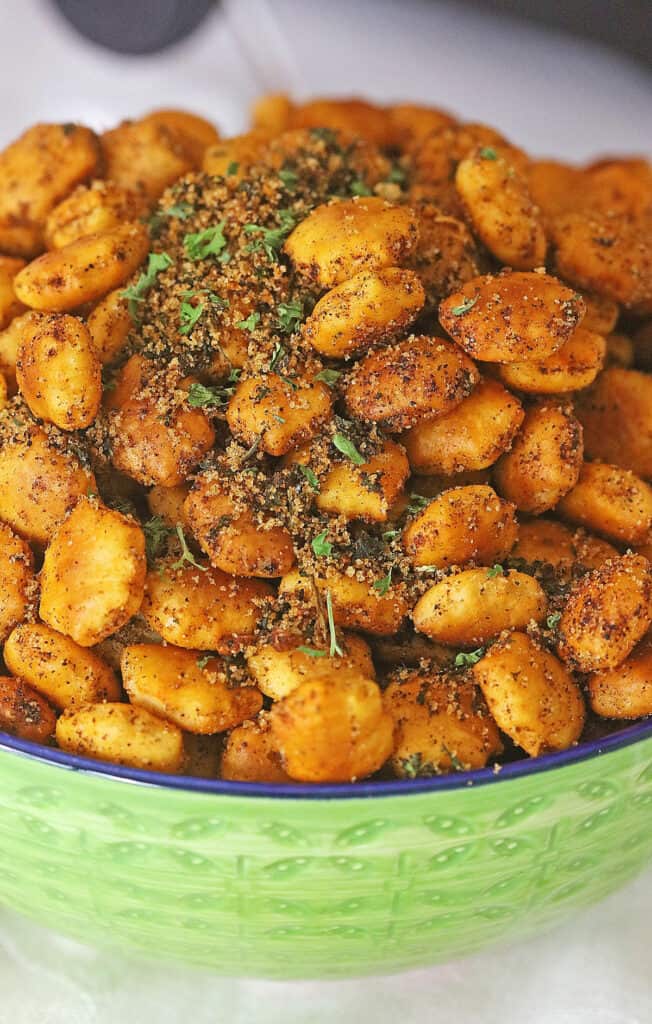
{"x": 331, "y": 791}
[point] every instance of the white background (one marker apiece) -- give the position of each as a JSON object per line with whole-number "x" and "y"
{"x": 553, "y": 95}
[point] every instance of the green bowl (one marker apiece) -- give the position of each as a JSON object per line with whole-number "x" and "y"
{"x": 321, "y": 881}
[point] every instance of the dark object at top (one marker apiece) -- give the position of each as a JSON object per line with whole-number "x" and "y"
{"x": 621, "y": 24}
{"x": 135, "y": 26}
{"x": 145, "y": 26}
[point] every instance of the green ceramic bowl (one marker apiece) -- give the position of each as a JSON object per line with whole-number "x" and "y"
{"x": 322, "y": 881}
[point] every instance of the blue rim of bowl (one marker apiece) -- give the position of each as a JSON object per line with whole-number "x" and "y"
{"x": 334, "y": 791}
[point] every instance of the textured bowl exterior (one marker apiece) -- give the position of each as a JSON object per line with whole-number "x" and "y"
{"x": 288, "y": 888}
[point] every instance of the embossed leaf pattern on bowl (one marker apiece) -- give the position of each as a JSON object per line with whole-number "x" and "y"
{"x": 296, "y": 888}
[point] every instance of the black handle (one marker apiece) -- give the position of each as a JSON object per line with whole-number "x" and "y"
{"x": 135, "y": 26}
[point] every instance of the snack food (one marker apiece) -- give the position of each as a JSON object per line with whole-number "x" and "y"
{"x": 309, "y": 444}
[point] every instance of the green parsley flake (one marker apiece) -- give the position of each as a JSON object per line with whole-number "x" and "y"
{"x": 496, "y": 570}
{"x": 325, "y": 134}
{"x": 397, "y": 175}
{"x": 359, "y": 188}
{"x": 553, "y": 620}
{"x": 125, "y": 507}
{"x": 312, "y": 652}
{"x": 414, "y": 766}
{"x": 382, "y": 586}
{"x": 454, "y": 759}
{"x": 329, "y": 377}
{"x": 278, "y": 355}
{"x": 347, "y": 448}
{"x": 310, "y": 477}
{"x": 250, "y": 323}
{"x": 321, "y": 546}
{"x": 156, "y": 532}
{"x": 467, "y": 658}
{"x": 335, "y": 649}
{"x": 289, "y": 178}
{"x": 186, "y": 554}
{"x": 464, "y": 307}
{"x": 289, "y": 316}
{"x": 180, "y": 210}
{"x": 271, "y": 239}
{"x": 391, "y": 534}
{"x": 189, "y": 316}
{"x": 232, "y": 169}
{"x": 201, "y": 395}
{"x": 157, "y": 262}
{"x": 203, "y": 660}
{"x": 488, "y": 153}
{"x": 202, "y": 244}
{"x": 213, "y": 298}
{"x": 417, "y": 503}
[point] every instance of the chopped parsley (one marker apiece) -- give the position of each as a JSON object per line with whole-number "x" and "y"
{"x": 391, "y": 534}
{"x": 250, "y": 324}
{"x": 122, "y": 505}
{"x": 464, "y": 306}
{"x": 329, "y": 377}
{"x": 135, "y": 294}
{"x": 359, "y": 188}
{"x": 203, "y": 660}
{"x": 210, "y": 242}
{"x": 348, "y": 448}
{"x": 325, "y": 134}
{"x": 289, "y": 316}
{"x": 310, "y": 477}
{"x": 382, "y": 586}
{"x": 321, "y": 546}
{"x": 189, "y": 316}
{"x": 289, "y": 178}
{"x": 213, "y": 297}
{"x": 553, "y": 620}
{"x": 250, "y": 452}
{"x": 488, "y": 153}
{"x": 186, "y": 554}
{"x": 202, "y": 395}
{"x": 313, "y": 652}
{"x": 271, "y": 239}
{"x": 416, "y": 503}
{"x": 156, "y": 533}
{"x": 454, "y": 759}
{"x": 278, "y": 355}
{"x": 414, "y": 766}
{"x": 496, "y": 570}
{"x": 232, "y": 169}
{"x": 335, "y": 649}
{"x": 396, "y": 175}
{"x": 467, "y": 658}
{"x": 179, "y": 210}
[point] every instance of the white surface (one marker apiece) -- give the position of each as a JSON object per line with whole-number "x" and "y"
{"x": 552, "y": 95}
{"x": 595, "y": 970}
